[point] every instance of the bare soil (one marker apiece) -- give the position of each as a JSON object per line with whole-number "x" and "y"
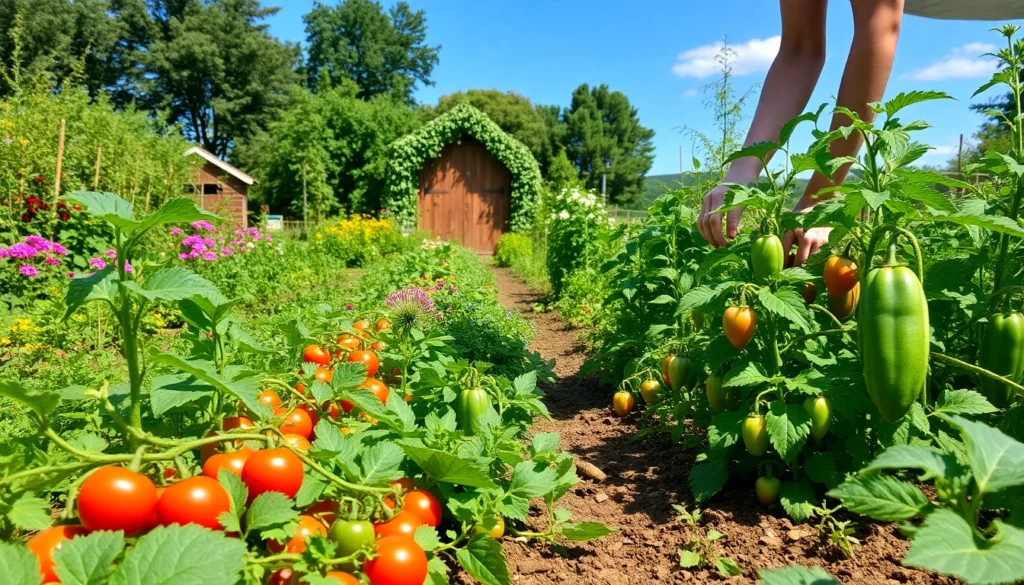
{"x": 647, "y": 476}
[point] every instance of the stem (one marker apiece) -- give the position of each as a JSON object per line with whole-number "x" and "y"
{"x": 1004, "y": 240}
{"x": 839, "y": 324}
{"x": 979, "y": 370}
{"x": 800, "y": 338}
{"x": 773, "y": 334}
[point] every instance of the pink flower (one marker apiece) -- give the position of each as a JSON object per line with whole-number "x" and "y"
{"x": 97, "y": 263}
{"x": 21, "y": 250}
{"x": 209, "y": 256}
{"x": 183, "y": 256}
{"x": 175, "y": 231}
{"x": 348, "y": 307}
{"x": 128, "y": 267}
{"x": 203, "y": 225}
{"x": 110, "y": 253}
{"x": 71, "y": 274}
{"x": 59, "y": 250}
{"x": 36, "y": 242}
{"x": 52, "y": 261}
{"x": 239, "y": 232}
{"x": 28, "y": 270}
{"x": 270, "y": 238}
{"x": 225, "y": 251}
{"x": 4, "y": 252}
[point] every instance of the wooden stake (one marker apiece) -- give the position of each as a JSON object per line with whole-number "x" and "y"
{"x": 60, "y": 161}
{"x": 99, "y": 161}
{"x": 149, "y": 190}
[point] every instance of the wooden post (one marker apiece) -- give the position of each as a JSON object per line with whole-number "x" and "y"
{"x": 960, "y": 157}
{"x": 96, "y": 175}
{"x": 149, "y": 190}
{"x": 60, "y": 161}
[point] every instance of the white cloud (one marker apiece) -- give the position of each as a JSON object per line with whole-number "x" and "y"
{"x": 753, "y": 56}
{"x": 960, "y": 63}
{"x": 938, "y": 155}
{"x": 690, "y": 93}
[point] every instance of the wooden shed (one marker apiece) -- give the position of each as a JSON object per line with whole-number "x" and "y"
{"x": 461, "y": 178}
{"x": 221, "y": 188}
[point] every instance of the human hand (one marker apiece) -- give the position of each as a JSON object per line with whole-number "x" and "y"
{"x": 709, "y": 222}
{"x": 807, "y": 243}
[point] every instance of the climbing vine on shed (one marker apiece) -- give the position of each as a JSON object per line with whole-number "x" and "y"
{"x": 409, "y": 153}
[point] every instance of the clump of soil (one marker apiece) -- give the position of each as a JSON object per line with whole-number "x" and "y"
{"x": 647, "y": 476}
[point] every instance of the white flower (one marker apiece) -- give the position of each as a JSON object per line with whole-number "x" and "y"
{"x": 564, "y": 214}
{"x": 250, "y": 245}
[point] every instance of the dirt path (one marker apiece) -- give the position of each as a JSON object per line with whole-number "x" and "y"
{"x": 645, "y": 477}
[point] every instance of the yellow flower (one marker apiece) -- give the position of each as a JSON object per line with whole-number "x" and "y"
{"x": 5, "y": 341}
{"x": 29, "y": 347}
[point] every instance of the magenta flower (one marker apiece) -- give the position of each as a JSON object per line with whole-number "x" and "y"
{"x": 175, "y": 231}
{"x": 225, "y": 251}
{"x": 110, "y": 253}
{"x": 209, "y": 256}
{"x": 28, "y": 270}
{"x": 21, "y": 250}
{"x": 58, "y": 249}
{"x": 71, "y": 274}
{"x": 183, "y": 256}
{"x": 239, "y": 232}
{"x": 36, "y": 242}
{"x": 203, "y": 225}
{"x": 128, "y": 267}
{"x": 97, "y": 263}
{"x": 348, "y": 307}
{"x": 52, "y": 261}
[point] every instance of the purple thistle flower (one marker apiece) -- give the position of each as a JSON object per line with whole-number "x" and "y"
{"x": 28, "y": 270}
{"x": 411, "y": 306}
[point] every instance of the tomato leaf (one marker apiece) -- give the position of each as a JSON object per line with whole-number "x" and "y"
{"x": 237, "y": 491}
{"x": 689, "y": 559}
{"x": 727, "y": 567}
{"x": 708, "y": 478}
{"x": 532, "y": 480}
{"x": 381, "y": 463}
{"x": 933, "y": 462}
{"x": 963, "y": 402}
{"x": 821, "y": 467}
{"x": 881, "y": 497}
{"x": 106, "y": 206}
{"x": 786, "y": 303}
{"x": 310, "y": 491}
{"x": 171, "y": 284}
{"x": 437, "y": 571}
{"x": 268, "y": 510}
{"x": 89, "y": 559}
{"x": 585, "y": 531}
{"x": 30, "y": 513}
{"x": 745, "y": 374}
{"x": 244, "y": 387}
{"x": 171, "y": 391}
{"x": 18, "y": 565}
{"x": 794, "y": 575}
{"x": 42, "y": 402}
{"x": 797, "y": 499}
{"x": 427, "y": 537}
{"x": 788, "y": 428}
{"x": 484, "y": 561}
{"x": 996, "y": 460}
{"x": 447, "y": 467}
{"x": 945, "y": 543}
{"x": 171, "y": 555}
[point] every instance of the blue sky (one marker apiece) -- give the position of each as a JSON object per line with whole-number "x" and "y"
{"x": 656, "y": 53}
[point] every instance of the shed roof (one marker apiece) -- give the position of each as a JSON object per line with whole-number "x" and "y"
{"x": 212, "y": 158}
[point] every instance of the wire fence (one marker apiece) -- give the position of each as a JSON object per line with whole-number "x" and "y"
{"x": 627, "y": 215}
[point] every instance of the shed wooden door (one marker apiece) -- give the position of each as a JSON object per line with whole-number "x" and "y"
{"x": 465, "y": 196}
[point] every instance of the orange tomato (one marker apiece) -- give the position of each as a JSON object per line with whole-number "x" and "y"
{"x": 739, "y": 324}
{"x": 270, "y": 398}
{"x": 308, "y": 527}
{"x": 297, "y": 441}
{"x": 316, "y": 354}
{"x": 382, "y": 325}
{"x": 622, "y": 403}
{"x": 324, "y": 375}
{"x": 844, "y": 305}
{"x": 343, "y": 577}
{"x": 404, "y": 522}
{"x": 325, "y": 510}
{"x": 403, "y": 485}
{"x": 233, "y": 462}
{"x": 361, "y": 325}
{"x": 840, "y": 275}
{"x": 379, "y": 389}
{"x": 296, "y": 422}
{"x": 365, "y": 357}
{"x": 49, "y": 541}
{"x": 348, "y": 342}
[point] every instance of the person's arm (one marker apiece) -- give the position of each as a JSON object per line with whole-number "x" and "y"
{"x": 787, "y": 88}
{"x": 876, "y": 32}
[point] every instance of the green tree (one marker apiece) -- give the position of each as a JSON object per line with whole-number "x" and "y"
{"x": 512, "y": 112}
{"x": 214, "y": 68}
{"x": 562, "y": 174}
{"x": 604, "y": 135}
{"x": 554, "y": 136}
{"x": 384, "y": 53}
{"x": 57, "y": 40}
{"x": 341, "y": 143}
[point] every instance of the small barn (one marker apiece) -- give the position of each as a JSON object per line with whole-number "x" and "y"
{"x": 220, "y": 187}
{"x": 460, "y": 177}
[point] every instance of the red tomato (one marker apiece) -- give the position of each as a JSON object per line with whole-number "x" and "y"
{"x": 297, "y": 441}
{"x": 379, "y": 389}
{"x": 114, "y": 498}
{"x": 382, "y": 325}
{"x": 273, "y": 470}
{"x": 324, "y": 375}
{"x": 403, "y": 485}
{"x": 331, "y": 409}
{"x": 348, "y": 342}
{"x": 423, "y": 504}
{"x": 314, "y": 414}
{"x": 270, "y": 398}
{"x": 343, "y": 578}
{"x": 237, "y": 422}
{"x": 326, "y": 511}
{"x": 404, "y": 522}
{"x": 308, "y": 526}
{"x": 377, "y": 346}
{"x": 296, "y": 422}
{"x": 284, "y": 576}
{"x": 301, "y": 389}
{"x": 399, "y": 561}
{"x": 49, "y": 541}
{"x": 196, "y": 500}
{"x": 233, "y": 462}
{"x": 346, "y": 406}
{"x": 366, "y": 357}
{"x": 316, "y": 354}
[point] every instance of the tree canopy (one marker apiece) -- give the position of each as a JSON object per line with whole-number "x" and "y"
{"x": 604, "y": 135}
{"x": 382, "y": 52}
{"x": 511, "y": 111}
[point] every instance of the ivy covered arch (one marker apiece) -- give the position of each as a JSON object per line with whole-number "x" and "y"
{"x": 409, "y": 153}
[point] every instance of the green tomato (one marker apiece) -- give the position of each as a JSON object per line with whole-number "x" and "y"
{"x": 767, "y": 489}
{"x": 679, "y": 374}
{"x": 473, "y": 404}
{"x": 495, "y": 532}
{"x": 821, "y": 413}
{"x": 755, "y": 434}
{"x": 766, "y": 257}
{"x": 351, "y": 536}
{"x": 718, "y": 397}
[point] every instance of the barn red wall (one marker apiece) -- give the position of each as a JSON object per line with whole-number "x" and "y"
{"x": 231, "y": 203}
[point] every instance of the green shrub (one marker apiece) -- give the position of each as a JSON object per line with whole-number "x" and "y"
{"x": 511, "y": 248}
